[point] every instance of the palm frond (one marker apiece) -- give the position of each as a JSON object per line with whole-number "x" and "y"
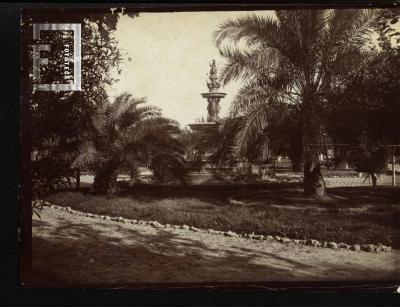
{"x": 253, "y": 123}
{"x": 128, "y": 134}
{"x": 249, "y": 64}
{"x": 88, "y": 156}
{"x": 255, "y": 93}
{"x": 167, "y": 166}
{"x": 256, "y": 31}
{"x": 248, "y": 94}
{"x": 135, "y": 114}
{"x": 253, "y": 28}
{"x": 240, "y": 64}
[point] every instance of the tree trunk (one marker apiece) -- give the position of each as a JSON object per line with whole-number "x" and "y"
{"x": 314, "y": 183}
{"x": 296, "y": 155}
{"x": 374, "y": 179}
{"x": 134, "y": 174}
{"x": 105, "y": 180}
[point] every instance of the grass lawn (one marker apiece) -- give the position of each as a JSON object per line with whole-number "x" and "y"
{"x": 355, "y": 215}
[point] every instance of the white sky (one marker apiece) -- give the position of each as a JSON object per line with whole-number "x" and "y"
{"x": 170, "y": 55}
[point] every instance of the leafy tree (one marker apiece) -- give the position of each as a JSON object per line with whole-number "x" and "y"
{"x": 127, "y": 135}
{"x": 58, "y": 121}
{"x": 369, "y": 159}
{"x": 365, "y": 109}
{"x": 292, "y": 59}
{"x": 385, "y": 26}
{"x": 54, "y": 124}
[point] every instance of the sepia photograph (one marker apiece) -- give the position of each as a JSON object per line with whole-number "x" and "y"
{"x": 209, "y": 147}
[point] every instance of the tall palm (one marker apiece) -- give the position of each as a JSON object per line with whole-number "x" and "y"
{"x": 128, "y": 134}
{"x": 291, "y": 59}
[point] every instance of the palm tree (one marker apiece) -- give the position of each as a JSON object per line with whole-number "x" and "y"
{"x": 290, "y": 61}
{"x": 128, "y": 134}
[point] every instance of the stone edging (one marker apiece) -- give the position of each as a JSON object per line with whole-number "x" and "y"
{"x": 372, "y": 248}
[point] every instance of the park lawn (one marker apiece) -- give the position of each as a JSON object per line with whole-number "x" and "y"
{"x": 353, "y": 215}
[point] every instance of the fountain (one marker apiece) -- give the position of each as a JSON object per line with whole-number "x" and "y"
{"x": 213, "y": 97}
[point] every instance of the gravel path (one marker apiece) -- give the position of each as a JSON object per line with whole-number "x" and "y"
{"x": 71, "y": 250}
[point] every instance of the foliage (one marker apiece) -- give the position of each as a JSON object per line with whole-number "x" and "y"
{"x": 192, "y": 142}
{"x": 368, "y": 104}
{"x": 370, "y": 160}
{"x": 365, "y": 108}
{"x": 37, "y": 207}
{"x": 59, "y": 121}
{"x": 221, "y": 142}
{"x": 292, "y": 59}
{"x": 385, "y": 25}
{"x": 128, "y": 134}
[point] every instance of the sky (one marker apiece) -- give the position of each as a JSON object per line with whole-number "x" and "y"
{"x": 166, "y": 59}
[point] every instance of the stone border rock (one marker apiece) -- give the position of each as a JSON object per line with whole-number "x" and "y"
{"x": 371, "y": 248}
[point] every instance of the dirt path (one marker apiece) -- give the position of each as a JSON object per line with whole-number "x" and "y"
{"x": 72, "y": 250}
